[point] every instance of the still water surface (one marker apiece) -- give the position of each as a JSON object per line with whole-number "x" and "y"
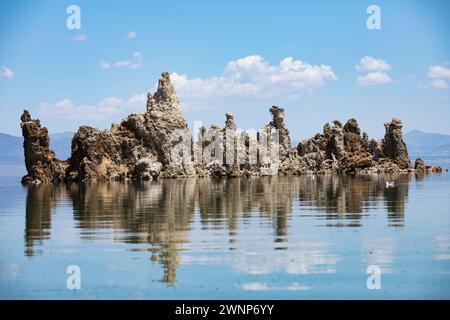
{"x": 273, "y": 237}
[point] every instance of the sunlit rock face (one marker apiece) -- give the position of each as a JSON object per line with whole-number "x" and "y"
{"x": 394, "y": 147}
{"x": 345, "y": 149}
{"x": 279, "y": 124}
{"x": 163, "y": 120}
{"x": 124, "y": 151}
{"x": 146, "y": 146}
{"x": 41, "y": 163}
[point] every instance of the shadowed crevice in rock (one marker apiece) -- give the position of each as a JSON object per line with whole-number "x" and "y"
{"x": 145, "y": 146}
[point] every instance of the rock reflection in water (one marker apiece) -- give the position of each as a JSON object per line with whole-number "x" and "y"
{"x": 161, "y": 213}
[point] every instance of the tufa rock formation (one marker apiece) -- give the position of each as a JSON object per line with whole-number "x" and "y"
{"x": 139, "y": 147}
{"x": 40, "y": 161}
{"x": 393, "y": 145}
{"x": 157, "y": 144}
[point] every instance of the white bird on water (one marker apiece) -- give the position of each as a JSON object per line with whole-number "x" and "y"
{"x": 390, "y": 184}
{"x": 312, "y": 178}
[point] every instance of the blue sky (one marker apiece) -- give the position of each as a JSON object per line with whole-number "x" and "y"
{"x": 226, "y": 57}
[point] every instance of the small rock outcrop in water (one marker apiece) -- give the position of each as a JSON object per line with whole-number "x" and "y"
{"x": 41, "y": 163}
{"x": 393, "y": 145}
{"x": 146, "y": 146}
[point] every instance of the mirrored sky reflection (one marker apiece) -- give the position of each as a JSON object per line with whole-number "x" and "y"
{"x": 274, "y": 237}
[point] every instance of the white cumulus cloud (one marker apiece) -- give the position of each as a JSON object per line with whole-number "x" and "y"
{"x": 373, "y": 78}
{"x": 376, "y": 71}
{"x": 439, "y": 72}
{"x": 372, "y": 64}
{"x": 252, "y": 77}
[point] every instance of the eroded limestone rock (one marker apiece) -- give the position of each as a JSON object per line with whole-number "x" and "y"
{"x": 166, "y": 124}
{"x": 419, "y": 165}
{"x": 279, "y": 124}
{"x": 41, "y": 163}
{"x": 393, "y": 145}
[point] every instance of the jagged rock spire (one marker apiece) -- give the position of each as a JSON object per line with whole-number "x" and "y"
{"x": 165, "y": 98}
{"x": 41, "y": 163}
{"x": 164, "y": 119}
{"x": 393, "y": 145}
{"x": 352, "y": 126}
{"x": 230, "y": 123}
{"x": 279, "y": 124}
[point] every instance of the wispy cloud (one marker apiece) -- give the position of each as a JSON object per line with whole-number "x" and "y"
{"x": 68, "y": 109}
{"x": 255, "y": 286}
{"x": 78, "y": 37}
{"x": 135, "y": 64}
{"x": 123, "y": 63}
{"x": 262, "y": 286}
{"x": 7, "y": 72}
{"x": 105, "y": 65}
{"x": 139, "y": 99}
{"x": 138, "y": 60}
{"x": 437, "y": 84}
{"x": 131, "y": 35}
{"x": 109, "y": 108}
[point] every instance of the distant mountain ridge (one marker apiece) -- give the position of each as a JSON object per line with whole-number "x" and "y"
{"x": 11, "y": 150}
{"x": 420, "y": 144}
{"x": 427, "y": 145}
{"x": 11, "y": 147}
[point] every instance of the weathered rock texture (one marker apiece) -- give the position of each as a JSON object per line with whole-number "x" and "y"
{"x": 393, "y": 145}
{"x": 41, "y": 163}
{"x": 157, "y": 144}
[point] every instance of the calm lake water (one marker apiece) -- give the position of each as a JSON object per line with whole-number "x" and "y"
{"x": 274, "y": 237}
